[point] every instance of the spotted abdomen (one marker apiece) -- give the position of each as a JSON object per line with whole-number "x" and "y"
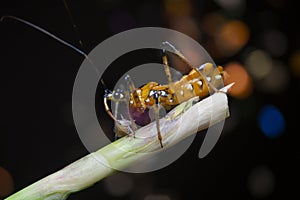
{"x": 197, "y": 82}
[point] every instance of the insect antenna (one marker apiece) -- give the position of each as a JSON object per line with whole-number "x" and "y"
{"x": 76, "y": 30}
{"x": 75, "y": 27}
{"x": 52, "y": 36}
{"x": 108, "y": 94}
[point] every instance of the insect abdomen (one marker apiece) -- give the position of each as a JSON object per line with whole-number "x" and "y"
{"x": 196, "y": 83}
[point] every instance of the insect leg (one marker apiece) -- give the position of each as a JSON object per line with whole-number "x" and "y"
{"x": 116, "y": 117}
{"x": 122, "y": 127}
{"x": 189, "y": 64}
{"x": 156, "y": 114}
{"x": 167, "y": 70}
{"x": 131, "y": 87}
{"x": 178, "y": 53}
{"x": 108, "y": 97}
{"x": 129, "y": 83}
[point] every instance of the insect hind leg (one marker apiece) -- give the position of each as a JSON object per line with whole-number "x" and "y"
{"x": 167, "y": 69}
{"x": 177, "y": 53}
{"x": 189, "y": 64}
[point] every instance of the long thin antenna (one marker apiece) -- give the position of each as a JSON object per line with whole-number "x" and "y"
{"x": 52, "y": 36}
{"x": 76, "y": 30}
{"x": 75, "y": 27}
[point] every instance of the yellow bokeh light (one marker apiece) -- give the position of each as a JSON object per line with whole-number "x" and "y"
{"x": 259, "y": 64}
{"x": 295, "y": 62}
{"x": 178, "y": 8}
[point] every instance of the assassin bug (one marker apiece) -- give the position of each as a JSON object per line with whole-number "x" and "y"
{"x": 197, "y": 83}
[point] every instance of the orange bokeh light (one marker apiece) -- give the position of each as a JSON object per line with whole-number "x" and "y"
{"x": 232, "y": 37}
{"x": 212, "y": 23}
{"x": 243, "y": 83}
{"x": 186, "y": 25}
{"x": 6, "y": 183}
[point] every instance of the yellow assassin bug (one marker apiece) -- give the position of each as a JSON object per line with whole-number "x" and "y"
{"x": 196, "y": 83}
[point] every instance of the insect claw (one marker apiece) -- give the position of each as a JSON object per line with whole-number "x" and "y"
{"x": 168, "y": 44}
{"x": 132, "y": 134}
{"x": 116, "y": 137}
{"x": 161, "y": 144}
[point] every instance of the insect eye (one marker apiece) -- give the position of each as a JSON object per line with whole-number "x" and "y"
{"x": 107, "y": 93}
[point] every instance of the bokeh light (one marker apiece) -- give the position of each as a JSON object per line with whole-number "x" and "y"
{"x": 274, "y": 42}
{"x": 177, "y": 8}
{"x": 6, "y": 183}
{"x": 261, "y": 182}
{"x": 119, "y": 184}
{"x": 212, "y": 22}
{"x": 243, "y": 84}
{"x": 271, "y": 121}
{"x": 232, "y": 37}
{"x": 259, "y": 64}
{"x": 277, "y": 79}
{"x": 256, "y": 42}
{"x": 295, "y": 62}
{"x": 186, "y": 25}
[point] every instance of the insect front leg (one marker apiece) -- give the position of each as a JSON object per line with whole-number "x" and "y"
{"x": 131, "y": 87}
{"x": 122, "y": 126}
{"x": 156, "y": 112}
{"x": 108, "y": 97}
{"x": 156, "y": 109}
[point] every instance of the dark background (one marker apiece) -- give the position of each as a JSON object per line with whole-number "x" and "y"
{"x": 38, "y": 137}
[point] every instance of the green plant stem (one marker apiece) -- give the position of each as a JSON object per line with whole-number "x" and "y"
{"x": 180, "y": 123}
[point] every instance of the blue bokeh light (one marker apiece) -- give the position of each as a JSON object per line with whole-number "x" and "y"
{"x": 271, "y": 121}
